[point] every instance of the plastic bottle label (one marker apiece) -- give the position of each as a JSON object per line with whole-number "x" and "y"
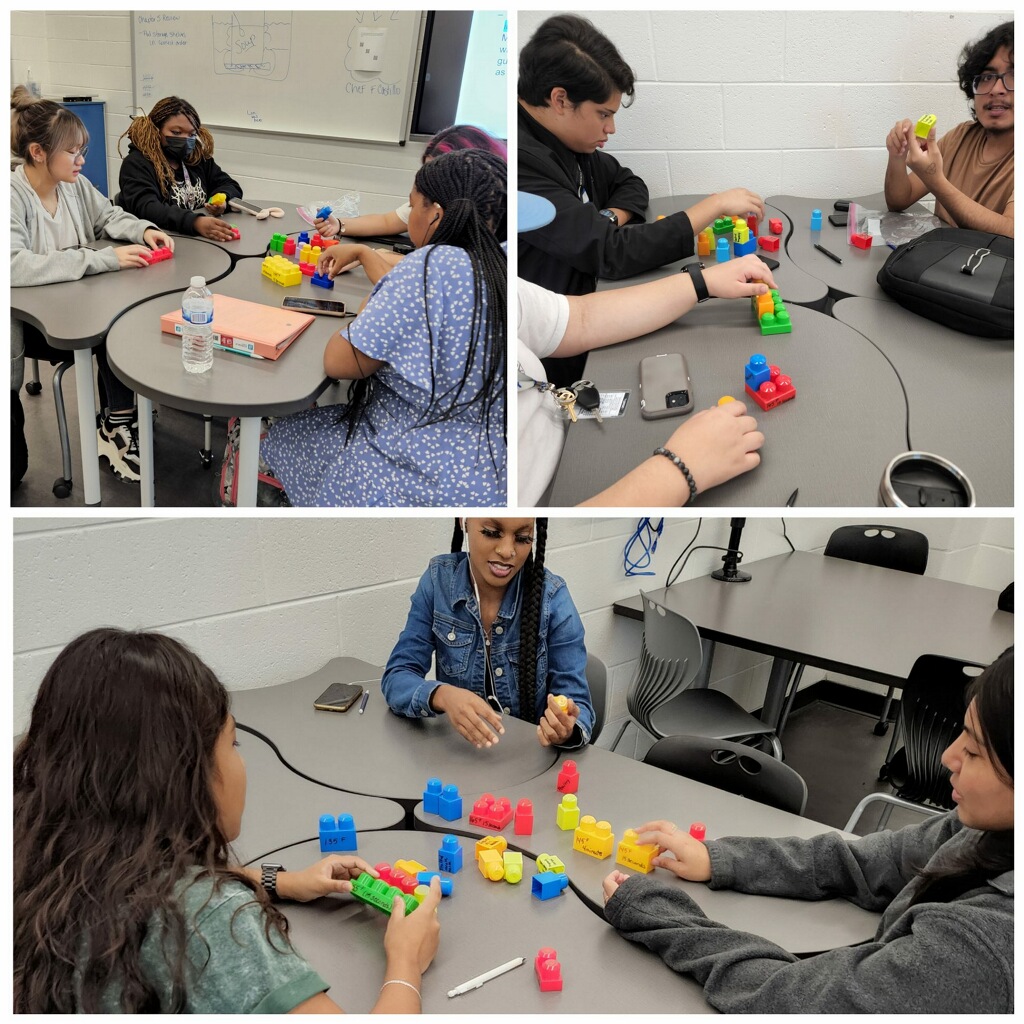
{"x": 197, "y": 316}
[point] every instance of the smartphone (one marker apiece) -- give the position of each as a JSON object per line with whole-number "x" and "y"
{"x": 664, "y": 386}
{"x": 403, "y": 248}
{"x": 338, "y": 697}
{"x": 841, "y": 205}
{"x": 320, "y": 307}
{"x": 838, "y": 220}
{"x": 768, "y": 261}
{"x": 242, "y": 206}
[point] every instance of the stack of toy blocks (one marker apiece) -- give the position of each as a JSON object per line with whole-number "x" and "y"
{"x": 723, "y": 227}
{"x": 397, "y": 877}
{"x": 337, "y": 836}
{"x": 152, "y": 256}
{"x": 281, "y": 271}
{"x": 442, "y": 800}
{"x": 594, "y": 838}
{"x": 743, "y": 242}
{"x": 549, "y": 971}
{"x": 767, "y": 385}
{"x": 377, "y": 893}
{"x": 277, "y": 242}
{"x": 773, "y": 319}
{"x": 308, "y": 256}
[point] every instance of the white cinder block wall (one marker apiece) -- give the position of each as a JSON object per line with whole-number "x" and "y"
{"x": 265, "y": 601}
{"x": 89, "y": 53}
{"x": 791, "y": 102}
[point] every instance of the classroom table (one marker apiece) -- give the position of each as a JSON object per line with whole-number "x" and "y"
{"x": 256, "y": 234}
{"x": 959, "y": 390}
{"x": 842, "y": 616}
{"x": 380, "y": 753}
{"x": 75, "y": 316}
{"x": 150, "y": 362}
{"x": 627, "y": 793}
{"x": 832, "y": 441}
{"x": 484, "y": 924}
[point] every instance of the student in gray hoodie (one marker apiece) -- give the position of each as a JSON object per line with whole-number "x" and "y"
{"x": 54, "y": 209}
{"x": 945, "y": 887}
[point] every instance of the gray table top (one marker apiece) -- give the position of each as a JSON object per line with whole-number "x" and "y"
{"x": 975, "y": 373}
{"x": 832, "y": 442}
{"x": 484, "y": 924}
{"x": 78, "y": 314}
{"x": 149, "y": 361}
{"x": 627, "y": 793}
{"x": 282, "y": 808}
{"x": 379, "y": 753}
{"x": 862, "y": 620}
{"x": 256, "y": 234}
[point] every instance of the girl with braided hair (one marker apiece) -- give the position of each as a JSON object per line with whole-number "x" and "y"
{"x": 505, "y": 637}
{"x": 425, "y": 420}
{"x": 169, "y": 173}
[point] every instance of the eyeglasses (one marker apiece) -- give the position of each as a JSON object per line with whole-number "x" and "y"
{"x": 82, "y": 152}
{"x": 982, "y": 84}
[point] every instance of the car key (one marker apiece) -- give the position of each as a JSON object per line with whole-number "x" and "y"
{"x": 566, "y": 398}
{"x": 589, "y": 398}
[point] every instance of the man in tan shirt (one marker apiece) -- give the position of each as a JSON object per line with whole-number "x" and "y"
{"x": 970, "y": 169}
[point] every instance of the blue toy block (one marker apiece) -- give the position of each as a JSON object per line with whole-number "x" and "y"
{"x": 449, "y": 803}
{"x": 337, "y": 836}
{"x": 424, "y": 877}
{"x": 815, "y": 220}
{"x": 430, "y": 796}
{"x": 321, "y": 280}
{"x": 324, "y": 211}
{"x": 303, "y": 238}
{"x": 756, "y": 372}
{"x": 449, "y": 856}
{"x": 722, "y": 250}
{"x": 744, "y": 248}
{"x": 546, "y": 885}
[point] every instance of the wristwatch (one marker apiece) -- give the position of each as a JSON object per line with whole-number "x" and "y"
{"x": 611, "y": 215}
{"x": 268, "y": 879}
{"x": 694, "y": 270}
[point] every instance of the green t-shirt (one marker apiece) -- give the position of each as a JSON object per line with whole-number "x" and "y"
{"x": 234, "y": 967}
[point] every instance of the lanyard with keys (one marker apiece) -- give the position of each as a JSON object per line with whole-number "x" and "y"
{"x": 583, "y": 392}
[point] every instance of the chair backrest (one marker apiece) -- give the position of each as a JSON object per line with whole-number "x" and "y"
{"x": 891, "y": 547}
{"x": 670, "y": 658}
{"x": 597, "y": 680}
{"x": 733, "y": 767}
{"x": 931, "y": 717}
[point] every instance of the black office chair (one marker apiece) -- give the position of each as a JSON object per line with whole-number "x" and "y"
{"x": 931, "y": 716}
{"x": 597, "y": 680}
{"x": 733, "y": 767}
{"x": 658, "y": 700}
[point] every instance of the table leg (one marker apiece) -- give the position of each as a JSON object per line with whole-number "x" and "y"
{"x": 87, "y": 425}
{"x": 147, "y": 494}
{"x": 775, "y": 695}
{"x": 248, "y": 466}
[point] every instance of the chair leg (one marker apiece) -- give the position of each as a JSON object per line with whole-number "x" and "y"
{"x": 63, "y": 484}
{"x": 206, "y": 455}
{"x": 882, "y": 725}
{"x": 619, "y": 735}
{"x": 790, "y": 698}
{"x": 883, "y": 772}
{"x": 32, "y": 385}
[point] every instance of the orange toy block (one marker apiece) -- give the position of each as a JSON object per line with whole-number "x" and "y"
{"x": 594, "y": 838}
{"x": 499, "y": 844}
{"x": 703, "y": 244}
{"x": 762, "y": 304}
{"x": 491, "y": 865}
{"x": 631, "y": 854}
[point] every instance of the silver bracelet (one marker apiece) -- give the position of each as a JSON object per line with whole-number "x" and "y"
{"x": 407, "y": 984}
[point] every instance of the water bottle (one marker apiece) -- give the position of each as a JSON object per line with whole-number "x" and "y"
{"x": 197, "y": 332}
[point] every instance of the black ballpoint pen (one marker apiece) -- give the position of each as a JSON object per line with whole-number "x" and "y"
{"x": 830, "y": 255}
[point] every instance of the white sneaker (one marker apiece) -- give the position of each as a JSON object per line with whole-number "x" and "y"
{"x": 119, "y": 445}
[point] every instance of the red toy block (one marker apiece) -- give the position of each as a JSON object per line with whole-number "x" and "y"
{"x": 235, "y": 233}
{"x": 289, "y": 247}
{"x": 768, "y": 243}
{"x": 152, "y": 256}
{"x": 491, "y": 812}
{"x": 752, "y": 223}
{"x": 568, "y": 778}
{"x": 861, "y": 241}
{"x": 698, "y": 830}
{"x": 399, "y": 879}
{"x": 549, "y": 971}
{"x": 524, "y": 818}
{"x": 308, "y": 269}
{"x": 775, "y": 225}
{"x": 778, "y": 389}
{"x": 323, "y": 243}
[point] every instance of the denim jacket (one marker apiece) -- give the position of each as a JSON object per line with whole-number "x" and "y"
{"x": 444, "y": 623}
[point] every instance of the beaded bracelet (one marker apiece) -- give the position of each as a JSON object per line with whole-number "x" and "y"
{"x": 672, "y": 457}
{"x": 407, "y": 984}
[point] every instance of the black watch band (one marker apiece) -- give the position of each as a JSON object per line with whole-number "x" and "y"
{"x": 694, "y": 270}
{"x": 611, "y": 215}
{"x": 268, "y": 879}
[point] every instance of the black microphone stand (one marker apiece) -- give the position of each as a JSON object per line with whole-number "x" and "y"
{"x": 730, "y": 573}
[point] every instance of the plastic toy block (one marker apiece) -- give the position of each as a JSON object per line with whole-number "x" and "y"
{"x": 513, "y": 866}
{"x": 722, "y": 226}
{"x": 235, "y": 233}
{"x": 698, "y": 830}
{"x": 549, "y": 971}
{"x": 397, "y": 877}
{"x": 549, "y": 862}
{"x": 775, "y": 225}
{"x": 704, "y": 242}
{"x": 377, "y": 893}
{"x": 281, "y": 271}
{"x": 762, "y": 304}
{"x": 337, "y": 836}
{"x": 303, "y": 238}
{"x": 410, "y": 867}
{"x": 546, "y": 885}
{"x": 567, "y": 814}
{"x": 725, "y": 400}
{"x": 321, "y": 281}
{"x": 277, "y": 242}
{"x": 744, "y": 248}
{"x": 722, "y": 250}
{"x": 289, "y": 247}
{"x": 756, "y": 372}
{"x": 324, "y": 211}
{"x": 740, "y": 232}
{"x": 217, "y": 199}
{"x": 777, "y": 322}
{"x": 499, "y": 844}
{"x": 752, "y": 223}
{"x": 424, "y": 877}
{"x": 924, "y": 126}
{"x": 307, "y": 269}
{"x": 431, "y": 795}
{"x": 152, "y": 256}
{"x": 773, "y": 392}
{"x": 523, "y": 825}
{"x": 306, "y": 253}
{"x": 491, "y": 865}
{"x": 449, "y": 855}
{"x": 491, "y": 812}
{"x": 815, "y": 220}
{"x": 632, "y": 854}
{"x": 861, "y": 241}
{"x": 562, "y": 702}
{"x": 660, "y": 216}
{"x": 594, "y": 838}
{"x": 768, "y": 243}
{"x": 419, "y": 894}
{"x": 568, "y": 778}
{"x": 319, "y": 243}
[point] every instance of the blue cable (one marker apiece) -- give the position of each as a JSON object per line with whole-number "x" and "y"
{"x": 646, "y": 534}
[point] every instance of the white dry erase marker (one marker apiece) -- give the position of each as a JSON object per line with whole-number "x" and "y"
{"x": 487, "y": 976}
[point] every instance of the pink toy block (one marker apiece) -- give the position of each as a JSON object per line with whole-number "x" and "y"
{"x": 594, "y": 838}
{"x": 773, "y": 392}
{"x": 698, "y": 830}
{"x": 568, "y": 778}
{"x": 152, "y": 256}
{"x": 289, "y": 247}
{"x": 768, "y": 243}
{"x": 775, "y": 225}
{"x": 631, "y": 854}
{"x": 549, "y": 971}
{"x": 491, "y": 812}
{"x": 524, "y": 818}
{"x": 861, "y": 241}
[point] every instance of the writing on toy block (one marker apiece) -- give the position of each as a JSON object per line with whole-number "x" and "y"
{"x": 337, "y": 835}
{"x": 524, "y": 818}
{"x": 497, "y": 843}
{"x": 549, "y": 862}
{"x": 924, "y": 126}
{"x": 568, "y": 780}
{"x": 631, "y": 854}
{"x": 491, "y": 812}
{"x": 512, "y": 863}
{"x": 281, "y": 270}
{"x": 377, "y": 893}
{"x": 594, "y": 838}
{"x": 549, "y": 971}
{"x": 546, "y": 885}
{"x": 449, "y": 856}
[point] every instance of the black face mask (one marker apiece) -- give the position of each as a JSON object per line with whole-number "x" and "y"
{"x": 179, "y": 148}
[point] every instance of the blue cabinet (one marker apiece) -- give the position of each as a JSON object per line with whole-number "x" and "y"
{"x": 93, "y": 115}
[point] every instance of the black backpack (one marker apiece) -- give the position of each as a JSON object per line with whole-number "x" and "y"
{"x": 957, "y": 277}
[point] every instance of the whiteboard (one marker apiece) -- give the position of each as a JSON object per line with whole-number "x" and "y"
{"x": 334, "y": 74}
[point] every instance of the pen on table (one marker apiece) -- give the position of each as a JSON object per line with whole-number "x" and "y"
{"x": 831, "y": 255}
{"x": 792, "y": 498}
{"x": 473, "y": 983}
{"x": 366, "y": 697}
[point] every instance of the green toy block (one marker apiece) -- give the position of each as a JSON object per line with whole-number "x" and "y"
{"x": 376, "y": 893}
{"x": 723, "y": 226}
{"x": 924, "y": 126}
{"x": 777, "y": 322}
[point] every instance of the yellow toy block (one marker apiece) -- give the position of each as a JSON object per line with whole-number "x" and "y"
{"x": 549, "y": 862}
{"x": 562, "y": 701}
{"x": 410, "y": 867}
{"x": 513, "y": 865}
{"x": 218, "y": 199}
{"x": 420, "y": 893}
{"x": 491, "y": 865}
{"x": 924, "y": 126}
{"x": 281, "y": 271}
{"x": 567, "y": 816}
{"x": 660, "y": 216}
{"x": 594, "y": 838}
{"x": 306, "y": 253}
{"x": 726, "y": 399}
{"x": 632, "y": 855}
{"x": 741, "y": 233}
{"x": 499, "y": 844}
